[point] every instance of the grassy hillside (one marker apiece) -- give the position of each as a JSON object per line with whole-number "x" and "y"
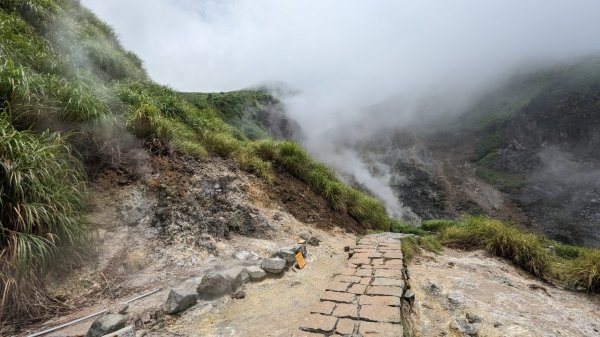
{"x": 68, "y": 94}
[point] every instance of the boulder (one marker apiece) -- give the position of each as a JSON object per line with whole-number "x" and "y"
{"x": 247, "y": 258}
{"x": 179, "y": 300}
{"x": 237, "y": 275}
{"x": 288, "y": 255}
{"x": 106, "y": 324}
{"x": 213, "y": 285}
{"x": 255, "y": 272}
{"x": 273, "y": 265}
{"x": 128, "y": 331}
{"x": 313, "y": 241}
{"x": 409, "y": 295}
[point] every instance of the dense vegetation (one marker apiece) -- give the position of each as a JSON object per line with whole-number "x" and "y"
{"x": 575, "y": 267}
{"x": 68, "y": 92}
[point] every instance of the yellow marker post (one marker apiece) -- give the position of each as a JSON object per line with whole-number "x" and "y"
{"x": 300, "y": 260}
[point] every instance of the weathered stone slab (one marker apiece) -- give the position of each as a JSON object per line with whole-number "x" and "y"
{"x": 335, "y": 296}
{"x": 347, "y": 279}
{"x": 345, "y": 326}
{"x": 380, "y": 313}
{"x": 385, "y": 290}
{"x": 389, "y": 273}
{"x": 346, "y": 310}
{"x": 379, "y": 300}
{"x": 384, "y": 281}
{"x": 318, "y": 323}
{"x": 373, "y": 329}
{"x": 357, "y": 289}
{"x": 324, "y": 307}
{"x": 338, "y": 286}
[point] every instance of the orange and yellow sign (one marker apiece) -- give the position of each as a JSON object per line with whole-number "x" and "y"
{"x": 300, "y": 260}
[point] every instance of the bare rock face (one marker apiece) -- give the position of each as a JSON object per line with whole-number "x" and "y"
{"x": 273, "y": 265}
{"x": 179, "y": 300}
{"x": 106, "y": 324}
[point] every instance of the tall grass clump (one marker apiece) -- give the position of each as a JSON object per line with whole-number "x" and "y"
{"x": 42, "y": 192}
{"x": 524, "y": 249}
{"x": 582, "y": 271}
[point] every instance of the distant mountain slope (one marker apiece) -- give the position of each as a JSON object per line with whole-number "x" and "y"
{"x": 536, "y": 140}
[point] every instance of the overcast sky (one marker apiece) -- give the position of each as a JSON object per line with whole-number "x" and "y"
{"x": 346, "y": 54}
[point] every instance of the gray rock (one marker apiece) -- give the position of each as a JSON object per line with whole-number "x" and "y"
{"x": 256, "y": 273}
{"x": 247, "y": 257}
{"x": 238, "y": 295}
{"x": 123, "y": 308}
{"x": 273, "y": 265}
{"x": 179, "y": 300}
{"x": 457, "y": 299}
{"x": 473, "y": 318}
{"x": 305, "y": 235}
{"x": 409, "y": 295}
{"x": 237, "y": 275}
{"x": 288, "y": 255}
{"x": 128, "y": 331}
{"x": 433, "y": 288}
{"x": 313, "y": 241}
{"x": 213, "y": 285}
{"x": 106, "y": 324}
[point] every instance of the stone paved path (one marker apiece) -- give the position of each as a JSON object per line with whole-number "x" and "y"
{"x": 365, "y": 296}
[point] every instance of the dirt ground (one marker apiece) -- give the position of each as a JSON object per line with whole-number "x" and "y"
{"x": 182, "y": 217}
{"x": 473, "y": 294}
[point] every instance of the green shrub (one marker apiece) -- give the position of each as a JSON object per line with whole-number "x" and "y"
{"x": 42, "y": 190}
{"x": 410, "y": 248}
{"x": 524, "y": 249}
{"x": 438, "y": 225}
{"x": 581, "y": 272}
{"x": 399, "y": 227}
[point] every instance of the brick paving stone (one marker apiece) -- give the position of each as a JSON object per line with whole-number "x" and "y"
{"x": 347, "y": 279}
{"x": 376, "y": 262}
{"x": 385, "y": 290}
{"x": 365, "y": 280}
{"x": 389, "y": 273}
{"x": 395, "y": 262}
{"x": 372, "y": 329}
{"x": 386, "y": 266}
{"x": 380, "y": 313}
{"x": 379, "y": 300}
{"x": 324, "y": 307}
{"x": 383, "y": 281}
{"x": 335, "y": 296}
{"x": 358, "y": 289}
{"x": 318, "y": 323}
{"x": 366, "y": 250}
{"x": 345, "y": 326}
{"x": 360, "y": 261}
{"x": 363, "y": 272}
{"x": 373, "y": 255}
{"x": 360, "y": 256}
{"x": 393, "y": 254}
{"x": 346, "y": 310}
{"x": 337, "y": 286}
{"x": 307, "y": 334}
{"x": 345, "y": 271}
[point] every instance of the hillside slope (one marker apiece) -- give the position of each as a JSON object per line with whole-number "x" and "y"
{"x": 526, "y": 151}
{"x": 74, "y": 104}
